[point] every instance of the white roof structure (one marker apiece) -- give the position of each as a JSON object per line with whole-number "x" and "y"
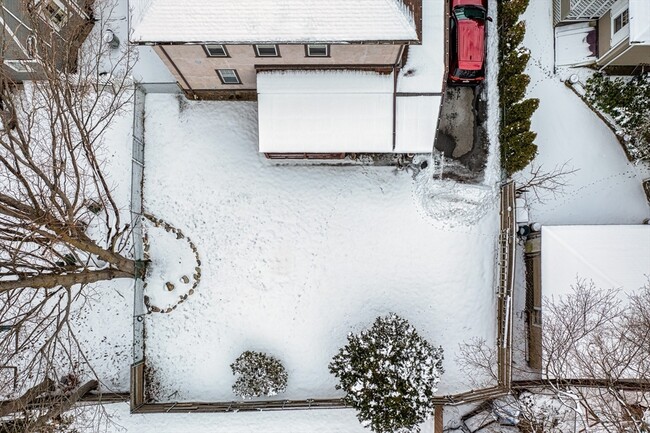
{"x": 640, "y": 22}
{"x": 325, "y": 112}
{"x": 419, "y": 84}
{"x": 416, "y": 121}
{"x": 612, "y": 256}
{"x": 239, "y": 21}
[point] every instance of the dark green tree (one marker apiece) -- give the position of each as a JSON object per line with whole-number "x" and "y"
{"x": 389, "y": 374}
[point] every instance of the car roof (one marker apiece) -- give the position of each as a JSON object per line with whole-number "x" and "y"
{"x": 470, "y": 44}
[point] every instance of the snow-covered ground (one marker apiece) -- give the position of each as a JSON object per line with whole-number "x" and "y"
{"x": 104, "y": 322}
{"x": 295, "y": 256}
{"x": 607, "y": 188}
{"x": 296, "y": 421}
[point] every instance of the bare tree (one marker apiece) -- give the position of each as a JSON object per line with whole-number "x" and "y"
{"x": 596, "y": 368}
{"x": 478, "y": 361}
{"x": 59, "y": 224}
{"x": 543, "y": 184}
{"x": 61, "y": 228}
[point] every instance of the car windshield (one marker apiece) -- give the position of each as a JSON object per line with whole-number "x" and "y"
{"x": 469, "y": 13}
{"x": 463, "y": 73}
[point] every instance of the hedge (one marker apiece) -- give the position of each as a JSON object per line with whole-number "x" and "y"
{"x": 517, "y": 141}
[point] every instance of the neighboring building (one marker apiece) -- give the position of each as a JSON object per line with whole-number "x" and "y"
{"x": 566, "y": 11}
{"x": 610, "y": 256}
{"x": 328, "y": 75}
{"x": 611, "y": 33}
{"x": 61, "y": 26}
{"x": 624, "y": 34}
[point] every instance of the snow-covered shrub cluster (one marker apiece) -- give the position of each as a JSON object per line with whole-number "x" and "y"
{"x": 628, "y": 102}
{"x": 390, "y": 374}
{"x": 259, "y": 375}
{"x": 517, "y": 140}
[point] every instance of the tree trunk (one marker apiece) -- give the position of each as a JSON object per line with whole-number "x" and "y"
{"x": 48, "y": 281}
{"x": 67, "y": 402}
{"x": 11, "y": 406}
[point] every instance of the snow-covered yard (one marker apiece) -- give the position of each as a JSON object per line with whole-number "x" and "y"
{"x": 607, "y": 188}
{"x": 293, "y": 256}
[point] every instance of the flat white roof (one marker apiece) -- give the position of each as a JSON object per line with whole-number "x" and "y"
{"x": 325, "y": 112}
{"x": 420, "y": 83}
{"x": 640, "y": 22}
{"x": 424, "y": 70}
{"x": 416, "y": 120}
{"x": 612, "y": 256}
{"x": 271, "y": 21}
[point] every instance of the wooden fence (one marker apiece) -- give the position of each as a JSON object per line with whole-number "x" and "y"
{"x": 505, "y": 266}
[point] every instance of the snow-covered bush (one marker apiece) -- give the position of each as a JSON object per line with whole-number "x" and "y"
{"x": 390, "y": 374}
{"x": 259, "y": 375}
{"x": 628, "y": 103}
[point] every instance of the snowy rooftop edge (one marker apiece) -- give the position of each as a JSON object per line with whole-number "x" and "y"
{"x": 640, "y": 22}
{"x": 612, "y": 256}
{"x": 271, "y": 21}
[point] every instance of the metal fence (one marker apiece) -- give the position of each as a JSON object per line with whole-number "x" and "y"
{"x": 139, "y": 311}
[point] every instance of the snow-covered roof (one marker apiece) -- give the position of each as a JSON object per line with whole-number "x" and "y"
{"x": 325, "y": 111}
{"x": 271, "y": 21}
{"x": 640, "y": 22}
{"x": 612, "y": 256}
{"x": 416, "y": 121}
{"x": 424, "y": 71}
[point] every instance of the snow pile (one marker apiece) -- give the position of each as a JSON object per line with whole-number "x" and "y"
{"x": 452, "y": 203}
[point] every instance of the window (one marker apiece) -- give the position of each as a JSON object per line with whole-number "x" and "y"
{"x": 228, "y": 76}
{"x": 216, "y": 50}
{"x": 267, "y": 51}
{"x": 318, "y": 50}
{"x": 55, "y": 12}
{"x": 21, "y": 65}
{"x": 621, "y": 20}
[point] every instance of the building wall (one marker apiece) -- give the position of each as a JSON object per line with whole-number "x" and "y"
{"x": 627, "y": 56}
{"x": 614, "y": 49}
{"x": 604, "y": 34}
{"x": 193, "y": 68}
{"x": 58, "y": 44}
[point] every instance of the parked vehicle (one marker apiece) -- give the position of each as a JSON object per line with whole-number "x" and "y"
{"x": 467, "y": 36}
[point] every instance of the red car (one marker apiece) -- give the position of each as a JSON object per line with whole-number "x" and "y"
{"x": 467, "y": 42}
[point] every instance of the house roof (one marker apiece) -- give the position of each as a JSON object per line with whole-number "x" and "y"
{"x": 325, "y": 112}
{"x": 611, "y": 256}
{"x": 277, "y": 21}
{"x": 639, "y": 22}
